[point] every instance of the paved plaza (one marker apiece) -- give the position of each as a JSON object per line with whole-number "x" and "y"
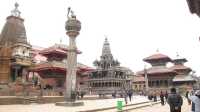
{"x": 160, "y": 108}
{"x": 88, "y": 105}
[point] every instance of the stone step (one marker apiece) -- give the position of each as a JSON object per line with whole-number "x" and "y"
{"x": 114, "y": 108}
{"x": 30, "y": 100}
{"x": 131, "y": 107}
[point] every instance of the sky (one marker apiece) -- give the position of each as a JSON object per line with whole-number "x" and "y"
{"x": 134, "y": 28}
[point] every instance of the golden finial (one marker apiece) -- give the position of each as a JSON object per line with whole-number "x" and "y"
{"x": 16, "y": 12}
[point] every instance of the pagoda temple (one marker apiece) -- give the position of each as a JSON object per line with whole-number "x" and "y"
{"x": 161, "y": 77}
{"x": 182, "y": 78}
{"x": 51, "y": 67}
{"x": 109, "y": 77}
{"x": 14, "y": 49}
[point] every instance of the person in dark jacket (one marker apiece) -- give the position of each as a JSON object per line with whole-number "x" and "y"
{"x": 166, "y": 96}
{"x": 130, "y": 93}
{"x": 155, "y": 97}
{"x": 175, "y": 101}
{"x": 162, "y": 98}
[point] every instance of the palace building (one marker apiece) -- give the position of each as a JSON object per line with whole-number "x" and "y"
{"x": 160, "y": 77}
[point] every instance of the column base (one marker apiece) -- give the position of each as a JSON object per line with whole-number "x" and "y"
{"x": 69, "y": 104}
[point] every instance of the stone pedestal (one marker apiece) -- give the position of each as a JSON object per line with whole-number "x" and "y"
{"x": 69, "y": 104}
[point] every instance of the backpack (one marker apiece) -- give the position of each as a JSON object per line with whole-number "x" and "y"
{"x": 175, "y": 101}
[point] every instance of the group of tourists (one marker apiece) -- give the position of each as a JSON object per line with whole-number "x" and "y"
{"x": 163, "y": 96}
{"x": 175, "y": 100}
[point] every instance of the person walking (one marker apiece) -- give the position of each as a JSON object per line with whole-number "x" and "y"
{"x": 155, "y": 97}
{"x": 166, "y": 96}
{"x": 130, "y": 93}
{"x": 125, "y": 98}
{"x": 175, "y": 101}
{"x": 162, "y": 98}
{"x": 187, "y": 97}
{"x": 195, "y": 99}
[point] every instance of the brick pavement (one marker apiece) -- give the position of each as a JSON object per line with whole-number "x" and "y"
{"x": 89, "y": 104}
{"x": 160, "y": 108}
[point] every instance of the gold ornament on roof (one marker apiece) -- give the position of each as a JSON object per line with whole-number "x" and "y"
{"x": 16, "y": 12}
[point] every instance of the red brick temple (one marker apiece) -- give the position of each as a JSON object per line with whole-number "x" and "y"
{"x": 52, "y": 70}
{"x": 161, "y": 77}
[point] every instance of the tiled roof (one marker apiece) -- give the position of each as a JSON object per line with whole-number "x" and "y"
{"x": 49, "y": 65}
{"x": 57, "y": 48}
{"x": 157, "y": 70}
{"x": 156, "y": 57}
{"x": 53, "y": 50}
{"x": 138, "y": 78}
{"x": 57, "y": 65}
{"x": 179, "y": 78}
{"x": 180, "y": 67}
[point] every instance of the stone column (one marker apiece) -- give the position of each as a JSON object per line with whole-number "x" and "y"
{"x": 16, "y": 72}
{"x": 146, "y": 80}
{"x": 72, "y": 27}
{"x": 71, "y": 69}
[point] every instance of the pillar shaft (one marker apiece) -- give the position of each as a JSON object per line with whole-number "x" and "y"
{"x": 71, "y": 70}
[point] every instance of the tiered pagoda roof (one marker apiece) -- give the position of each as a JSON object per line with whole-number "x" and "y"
{"x": 158, "y": 62}
{"x": 156, "y": 57}
{"x": 60, "y": 66}
{"x": 54, "y": 65}
{"x": 57, "y": 49}
{"x": 179, "y": 65}
{"x": 179, "y": 70}
{"x": 180, "y": 78}
{"x": 158, "y": 70}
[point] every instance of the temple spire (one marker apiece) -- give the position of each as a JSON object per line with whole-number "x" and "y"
{"x": 106, "y": 48}
{"x": 15, "y": 12}
{"x": 14, "y": 30}
{"x": 157, "y": 50}
{"x": 177, "y": 55}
